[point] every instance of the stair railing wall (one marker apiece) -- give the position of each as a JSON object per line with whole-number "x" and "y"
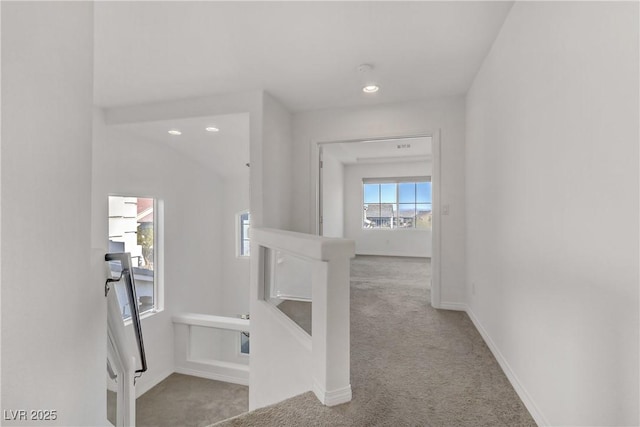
{"x": 286, "y": 362}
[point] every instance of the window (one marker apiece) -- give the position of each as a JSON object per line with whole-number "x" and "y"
{"x": 393, "y": 203}
{"x": 132, "y": 228}
{"x": 243, "y": 221}
{"x": 244, "y": 343}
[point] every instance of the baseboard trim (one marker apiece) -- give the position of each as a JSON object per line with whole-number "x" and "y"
{"x": 143, "y": 387}
{"x": 213, "y": 376}
{"x": 457, "y": 306}
{"x": 333, "y": 397}
{"x": 506, "y": 368}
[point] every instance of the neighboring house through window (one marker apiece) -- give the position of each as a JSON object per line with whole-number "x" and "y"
{"x": 392, "y": 203}
{"x": 132, "y": 228}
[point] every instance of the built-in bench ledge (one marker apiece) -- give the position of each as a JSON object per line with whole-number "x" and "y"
{"x": 209, "y": 346}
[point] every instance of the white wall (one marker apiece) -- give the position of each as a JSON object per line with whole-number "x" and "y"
{"x": 235, "y": 270}
{"x": 276, "y": 161}
{"x": 53, "y": 308}
{"x": 332, "y": 196}
{"x": 274, "y": 350}
{"x": 552, "y": 198}
{"x": 396, "y": 242}
{"x": 270, "y": 204}
{"x": 191, "y": 195}
{"x": 388, "y": 120}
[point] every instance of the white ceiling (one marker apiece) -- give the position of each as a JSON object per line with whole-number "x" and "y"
{"x": 383, "y": 151}
{"x": 226, "y": 151}
{"x": 304, "y": 53}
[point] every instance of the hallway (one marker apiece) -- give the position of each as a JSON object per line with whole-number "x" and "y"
{"x": 410, "y": 364}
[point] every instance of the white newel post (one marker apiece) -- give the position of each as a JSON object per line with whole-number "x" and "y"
{"x": 331, "y": 329}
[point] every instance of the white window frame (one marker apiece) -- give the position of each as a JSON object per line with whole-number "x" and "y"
{"x": 396, "y": 181}
{"x": 158, "y": 254}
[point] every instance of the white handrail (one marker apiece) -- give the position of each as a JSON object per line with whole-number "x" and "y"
{"x": 307, "y": 245}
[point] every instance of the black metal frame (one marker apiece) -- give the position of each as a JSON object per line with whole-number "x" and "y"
{"x": 127, "y": 272}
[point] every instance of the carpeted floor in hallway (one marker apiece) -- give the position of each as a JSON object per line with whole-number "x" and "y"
{"x": 411, "y": 365}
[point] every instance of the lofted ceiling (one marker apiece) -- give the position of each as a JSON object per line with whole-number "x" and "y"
{"x": 306, "y": 54}
{"x": 226, "y": 152}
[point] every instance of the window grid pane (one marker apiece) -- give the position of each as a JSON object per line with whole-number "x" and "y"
{"x": 407, "y": 192}
{"x": 371, "y": 193}
{"x": 397, "y": 205}
{"x": 423, "y": 192}
{"x": 423, "y": 216}
{"x": 388, "y": 193}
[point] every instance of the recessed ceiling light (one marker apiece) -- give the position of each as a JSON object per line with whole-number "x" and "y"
{"x": 212, "y": 129}
{"x": 175, "y": 132}
{"x": 370, "y": 89}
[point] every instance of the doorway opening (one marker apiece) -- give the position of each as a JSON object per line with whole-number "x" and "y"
{"x": 384, "y": 194}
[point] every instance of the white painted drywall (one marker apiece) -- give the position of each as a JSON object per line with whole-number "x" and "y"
{"x": 276, "y": 160}
{"x": 396, "y": 242}
{"x": 53, "y": 309}
{"x": 235, "y": 270}
{"x": 190, "y": 195}
{"x": 552, "y": 198}
{"x": 333, "y": 196}
{"x": 389, "y": 120}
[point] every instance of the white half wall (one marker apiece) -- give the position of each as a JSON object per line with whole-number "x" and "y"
{"x": 396, "y": 242}
{"x": 192, "y": 229}
{"x": 53, "y": 308}
{"x": 392, "y": 120}
{"x": 552, "y": 198}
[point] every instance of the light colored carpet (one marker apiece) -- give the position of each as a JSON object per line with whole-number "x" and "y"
{"x": 411, "y": 365}
{"x": 183, "y": 400}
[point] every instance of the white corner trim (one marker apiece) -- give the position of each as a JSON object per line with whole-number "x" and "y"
{"x": 511, "y": 376}
{"x": 333, "y": 397}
